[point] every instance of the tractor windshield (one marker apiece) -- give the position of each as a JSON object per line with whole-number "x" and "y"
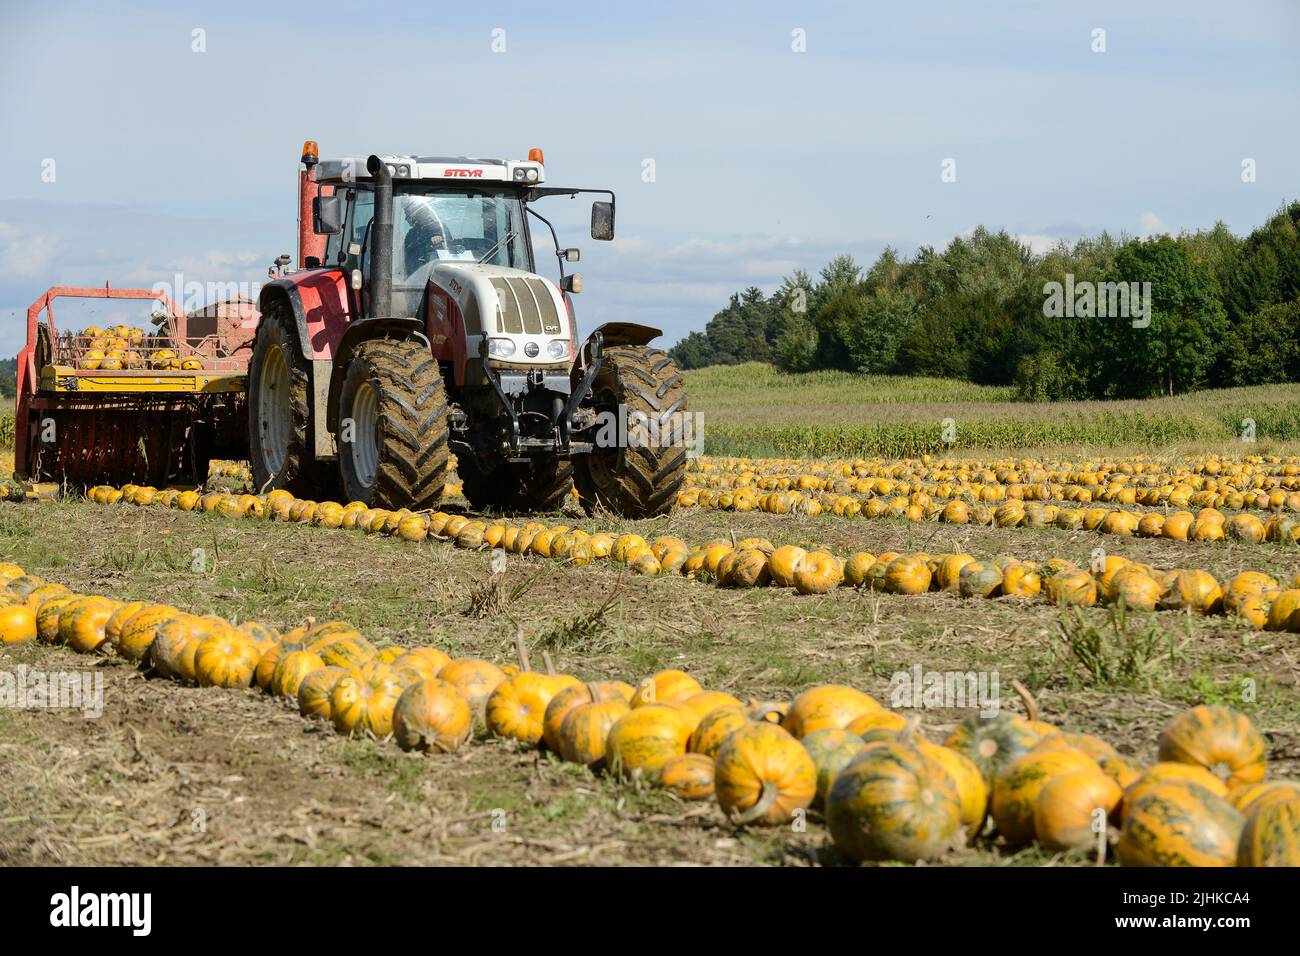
{"x": 456, "y": 225}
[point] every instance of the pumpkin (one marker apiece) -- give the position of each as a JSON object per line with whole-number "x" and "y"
{"x": 475, "y": 680}
{"x": 714, "y": 728}
{"x": 818, "y": 573}
{"x": 992, "y": 743}
{"x": 644, "y": 739}
{"x": 342, "y": 649}
{"x": 113, "y": 626}
{"x": 431, "y": 716}
{"x": 426, "y": 661}
{"x": 291, "y": 670}
{"x": 1271, "y": 836}
{"x": 81, "y": 623}
{"x": 17, "y": 624}
{"x": 1018, "y": 785}
{"x": 876, "y": 719}
{"x": 1167, "y": 772}
{"x": 979, "y": 579}
{"x": 831, "y": 749}
{"x": 783, "y": 563}
{"x": 363, "y": 699}
{"x": 517, "y": 707}
{"x": 827, "y": 705}
{"x": 584, "y": 730}
{"x": 47, "y": 617}
{"x": 1137, "y": 590}
{"x": 1180, "y": 824}
{"x": 264, "y": 673}
{"x": 175, "y": 643}
{"x": 1196, "y": 591}
{"x": 225, "y": 660}
{"x": 1123, "y": 770}
{"x": 971, "y": 788}
{"x": 1282, "y": 612}
{"x": 688, "y": 776}
{"x": 763, "y": 775}
{"x": 857, "y": 567}
{"x": 1073, "y": 808}
{"x": 894, "y": 802}
{"x": 315, "y": 689}
{"x": 907, "y": 574}
{"x": 948, "y": 572}
{"x": 1219, "y": 739}
{"x": 1020, "y": 580}
{"x": 571, "y": 696}
{"x": 1094, "y": 747}
{"x": 1072, "y": 587}
{"x": 744, "y": 568}
{"x": 1248, "y": 797}
{"x": 666, "y": 686}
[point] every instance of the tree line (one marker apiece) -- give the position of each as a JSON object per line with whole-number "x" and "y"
{"x": 1222, "y": 311}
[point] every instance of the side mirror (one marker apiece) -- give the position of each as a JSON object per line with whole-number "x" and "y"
{"x": 327, "y": 215}
{"x": 570, "y": 255}
{"x": 602, "y": 220}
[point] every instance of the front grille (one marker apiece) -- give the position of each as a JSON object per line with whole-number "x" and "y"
{"x": 527, "y": 307}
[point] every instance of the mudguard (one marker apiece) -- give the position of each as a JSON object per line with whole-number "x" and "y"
{"x": 620, "y": 333}
{"x": 319, "y": 300}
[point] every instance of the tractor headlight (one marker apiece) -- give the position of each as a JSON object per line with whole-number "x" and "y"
{"x": 532, "y": 175}
{"x": 501, "y": 348}
{"x": 558, "y": 349}
{"x": 519, "y": 174}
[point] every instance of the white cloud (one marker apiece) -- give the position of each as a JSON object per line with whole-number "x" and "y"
{"x": 1149, "y": 224}
{"x": 23, "y": 253}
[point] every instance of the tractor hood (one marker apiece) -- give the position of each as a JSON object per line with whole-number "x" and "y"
{"x": 517, "y": 311}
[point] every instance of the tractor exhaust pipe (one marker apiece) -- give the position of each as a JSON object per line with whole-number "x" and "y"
{"x": 381, "y": 241}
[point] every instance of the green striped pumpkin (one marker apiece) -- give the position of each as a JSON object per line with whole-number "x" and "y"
{"x": 992, "y": 743}
{"x": 1271, "y": 836}
{"x": 894, "y": 802}
{"x": 1180, "y": 824}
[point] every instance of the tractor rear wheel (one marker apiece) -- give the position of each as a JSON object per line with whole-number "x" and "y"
{"x": 393, "y": 426}
{"x": 543, "y": 484}
{"x": 635, "y": 478}
{"x": 279, "y": 417}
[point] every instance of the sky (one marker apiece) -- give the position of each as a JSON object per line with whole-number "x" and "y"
{"x": 146, "y": 140}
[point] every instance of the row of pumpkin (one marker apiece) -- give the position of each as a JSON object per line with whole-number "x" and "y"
{"x": 1236, "y": 487}
{"x": 1208, "y": 524}
{"x": 886, "y": 792}
{"x": 1260, "y": 599}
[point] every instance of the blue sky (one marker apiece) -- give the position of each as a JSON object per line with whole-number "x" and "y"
{"x": 765, "y": 159}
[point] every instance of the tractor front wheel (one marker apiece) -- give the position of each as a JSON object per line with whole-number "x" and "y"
{"x": 393, "y": 426}
{"x": 637, "y": 471}
{"x": 279, "y": 417}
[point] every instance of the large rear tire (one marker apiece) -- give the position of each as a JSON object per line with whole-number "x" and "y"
{"x": 279, "y": 416}
{"x": 543, "y": 484}
{"x": 393, "y": 426}
{"x": 641, "y": 480}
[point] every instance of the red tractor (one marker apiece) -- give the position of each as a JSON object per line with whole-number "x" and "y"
{"x": 417, "y": 327}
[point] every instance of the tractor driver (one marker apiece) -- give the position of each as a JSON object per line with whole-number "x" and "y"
{"x": 428, "y": 233}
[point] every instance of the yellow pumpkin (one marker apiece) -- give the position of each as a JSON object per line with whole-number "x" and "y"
{"x": 763, "y": 776}
{"x": 516, "y": 709}
{"x": 644, "y": 739}
{"x": 225, "y": 660}
{"x": 363, "y": 699}
{"x": 688, "y": 776}
{"x": 827, "y": 705}
{"x": 431, "y": 716}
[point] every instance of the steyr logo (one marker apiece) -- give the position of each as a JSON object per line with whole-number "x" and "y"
{"x": 462, "y": 172}
{"x": 103, "y": 909}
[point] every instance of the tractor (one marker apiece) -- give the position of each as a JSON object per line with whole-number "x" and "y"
{"x": 416, "y": 326}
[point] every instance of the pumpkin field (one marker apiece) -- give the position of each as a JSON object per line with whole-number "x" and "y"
{"x": 1071, "y": 639}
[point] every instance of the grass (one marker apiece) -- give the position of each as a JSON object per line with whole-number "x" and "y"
{"x": 753, "y": 410}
